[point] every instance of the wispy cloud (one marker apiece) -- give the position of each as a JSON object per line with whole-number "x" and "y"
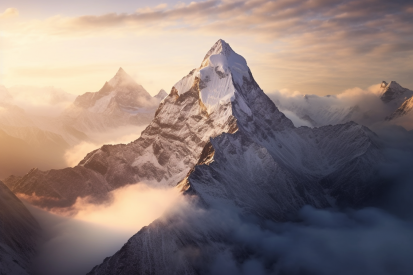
{"x": 310, "y": 42}
{"x": 8, "y": 13}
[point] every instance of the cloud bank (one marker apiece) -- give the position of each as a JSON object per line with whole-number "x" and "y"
{"x": 363, "y": 106}
{"x": 74, "y": 245}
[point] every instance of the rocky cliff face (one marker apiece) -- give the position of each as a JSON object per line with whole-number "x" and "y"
{"x": 18, "y": 234}
{"x": 254, "y": 162}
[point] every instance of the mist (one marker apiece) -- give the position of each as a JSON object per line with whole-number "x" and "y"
{"x": 120, "y": 135}
{"x": 41, "y": 101}
{"x": 372, "y": 240}
{"x": 75, "y": 243}
{"x": 363, "y": 106}
{"x": 376, "y": 239}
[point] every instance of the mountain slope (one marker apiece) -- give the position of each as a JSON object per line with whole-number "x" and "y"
{"x": 394, "y": 94}
{"x": 403, "y": 110}
{"x": 18, "y": 234}
{"x": 263, "y": 167}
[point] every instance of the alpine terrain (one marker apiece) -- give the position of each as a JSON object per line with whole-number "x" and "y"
{"x": 221, "y": 96}
{"x": 222, "y": 141}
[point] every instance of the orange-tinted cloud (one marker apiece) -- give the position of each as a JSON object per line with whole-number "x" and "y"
{"x": 308, "y": 44}
{"x": 8, "y": 13}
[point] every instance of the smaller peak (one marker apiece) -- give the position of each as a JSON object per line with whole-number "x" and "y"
{"x": 121, "y": 78}
{"x": 161, "y": 95}
{"x": 121, "y": 71}
{"x": 394, "y": 84}
{"x": 393, "y": 91}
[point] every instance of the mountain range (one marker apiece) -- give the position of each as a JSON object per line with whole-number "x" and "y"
{"x": 220, "y": 140}
{"x": 26, "y": 134}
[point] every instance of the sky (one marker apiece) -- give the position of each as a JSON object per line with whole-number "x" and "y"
{"x": 311, "y": 46}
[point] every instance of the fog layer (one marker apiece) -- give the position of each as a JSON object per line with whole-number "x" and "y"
{"x": 74, "y": 245}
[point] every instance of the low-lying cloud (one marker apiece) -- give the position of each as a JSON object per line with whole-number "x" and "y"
{"x": 374, "y": 240}
{"x": 363, "y": 106}
{"x": 120, "y": 135}
{"x": 40, "y": 101}
{"x": 74, "y": 245}
{"x": 367, "y": 241}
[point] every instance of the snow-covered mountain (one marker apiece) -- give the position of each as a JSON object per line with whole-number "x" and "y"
{"x": 393, "y": 94}
{"x": 404, "y": 109}
{"x": 221, "y": 96}
{"x": 161, "y": 94}
{"x": 19, "y": 233}
{"x": 250, "y": 158}
{"x": 400, "y": 99}
{"x": 121, "y": 101}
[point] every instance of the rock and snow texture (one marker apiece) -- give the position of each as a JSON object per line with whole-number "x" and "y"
{"x": 400, "y": 99}
{"x": 403, "y": 110}
{"x": 394, "y": 94}
{"x": 121, "y": 101}
{"x": 258, "y": 164}
{"x": 18, "y": 234}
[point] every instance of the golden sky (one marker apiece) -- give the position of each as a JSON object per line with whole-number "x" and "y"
{"x": 315, "y": 46}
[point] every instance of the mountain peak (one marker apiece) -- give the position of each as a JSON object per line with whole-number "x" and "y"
{"x": 393, "y": 91}
{"x": 161, "y": 95}
{"x": 222, "y": 69}
{"x": 220, "y": 47}
{"x": 121, "y": 78}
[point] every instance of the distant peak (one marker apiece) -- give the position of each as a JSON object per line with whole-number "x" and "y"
{"x": 394, "y": 84}
{"x": 393, "y": 90}
{"x": 121, "y": 78}
{"x": 161, "y": 95}
{"x": 121, "y": 71}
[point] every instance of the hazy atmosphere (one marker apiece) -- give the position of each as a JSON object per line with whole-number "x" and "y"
{"x": 317, "y": 47}
{"x": 206, "y": 137}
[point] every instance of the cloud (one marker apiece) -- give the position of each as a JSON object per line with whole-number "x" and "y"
{"x": 74, "y": 245}
{"x": 363, "y": 106}
{"x": 317, "y": 46}
{"x": 124, "y": 135}
{"x": 366, "y": 241}
{"x": 9, "y": 13}
{"x": 374, "y": 240}
{"x": 40, "y": 101}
